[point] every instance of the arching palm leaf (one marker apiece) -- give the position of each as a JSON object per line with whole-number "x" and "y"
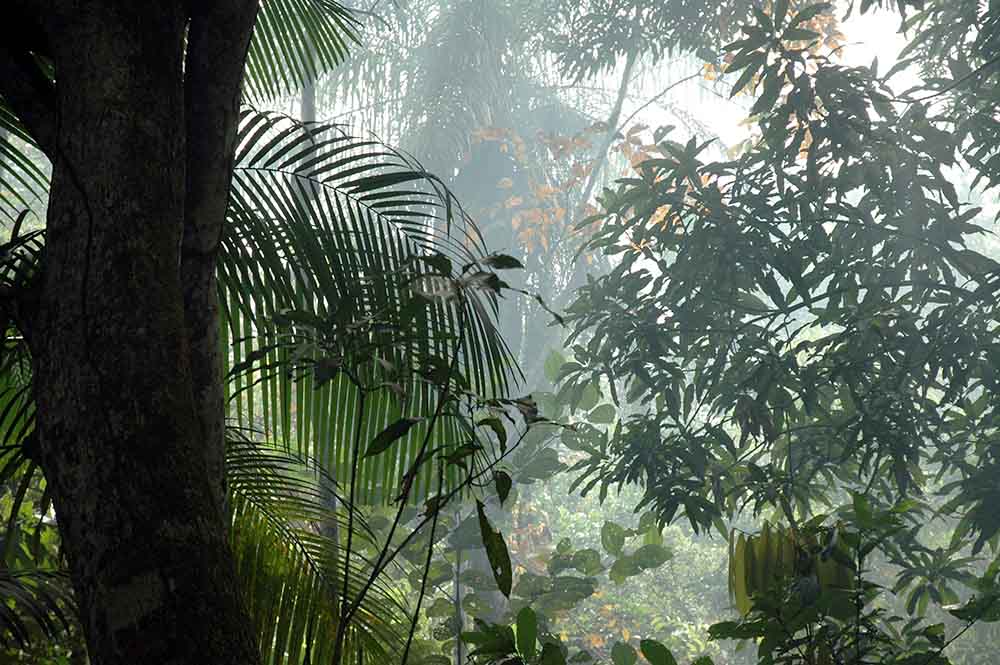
{"x": 322, "y": 222}
{"x": 319, "y": 220}
{"x": 23, "y": 183}
{"x": 294, "y": 41}
{"x": 293, "y": 566}
{"x": 291, "y": 570}
{"x": 37, "y": 605}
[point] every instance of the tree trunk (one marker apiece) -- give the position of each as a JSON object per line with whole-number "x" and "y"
{"x": 127, "y": 380}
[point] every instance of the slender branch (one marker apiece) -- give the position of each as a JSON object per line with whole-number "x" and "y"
{"x": 616, "y": 112}
{"x": 344, "y": 603}
{"x": 470, "y": 481}
{"x": 427, "y": 569}
{"x": 347, "y": 613}
{"x": 404, "y": 497}
{"x": 969, "y": 624}
{"x": 951, "y": 86}
{"x": 657, "y": 97}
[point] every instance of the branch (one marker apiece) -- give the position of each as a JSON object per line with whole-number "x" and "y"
{"x": 951, "y": 86}
{"x": 652, "y": 100}
{"x": 427, "y": 569}
{"x": 616, "y": 113}
{"x": 382, "y": 560}
{"x": 469, "y": 481}
{"x": 218, "y": 40}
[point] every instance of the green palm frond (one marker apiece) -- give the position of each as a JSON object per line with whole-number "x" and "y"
{"x": 37, "y": 605}
{"x": 286, "y": 516}
{"x": 375, "y": 82}
{"x": 23, "y": 184}
{"x": 326, "y": 223}
{"x": 19, "y": 473}
{"x": 319, "y": 220}
{"x": 293, "y": 42}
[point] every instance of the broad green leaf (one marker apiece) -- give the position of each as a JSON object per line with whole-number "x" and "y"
{"x": 553, "y": 362}
{"x": 612, "y": 538}
{"x": 863, "y": 510}
{"x": 651, "y": 556}
{"x": 551, "y": 655}
{"x": 623, "y": 568}
{"x": 390, "y": 435}
{"x": 587, "y": 561}
{"x": 589, "y": 397}
{"x": 441, "y": 607}
{"x": 501, "y": 262}
{"x": 603, "y": 414}
{"x": 527, "y": 631}
{"x": 623, "y": 654}
{"x": 811, "y": 12}
{"x": 496, "y": 425}
{"x": 656, "y": 653}
{"x": 799, "y": 35}
{"x": 504, "y": 483}
{"x": 496, "y": 551}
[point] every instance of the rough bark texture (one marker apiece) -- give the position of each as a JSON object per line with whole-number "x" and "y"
{"x": 127, "y": 375}
{"x": 218, "y": 38}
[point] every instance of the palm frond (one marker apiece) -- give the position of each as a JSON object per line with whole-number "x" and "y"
{"x": 294, "y": 41}
{"x": 23, "y": 183}
{"x": 19, "y": 473}
{"x": 375, "y": 82}
{"x": 37, "y": 605}
{"x": 286, "y": 514}
{"x": 324, "y": 222}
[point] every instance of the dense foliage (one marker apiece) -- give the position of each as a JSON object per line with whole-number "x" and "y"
{"x": 806, "y": 332}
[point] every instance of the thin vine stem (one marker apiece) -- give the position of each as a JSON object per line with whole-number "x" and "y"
{"x": 404, "y": 497}
{"x": 427, "y": 569}
{"x": 344, "y": 604}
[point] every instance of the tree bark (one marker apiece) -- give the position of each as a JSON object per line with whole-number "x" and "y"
{"x": 127, "y": 380}
{"x": 218, "y": 38}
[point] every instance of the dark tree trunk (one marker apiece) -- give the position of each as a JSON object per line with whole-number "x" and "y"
{"x": 127, "y": 373}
